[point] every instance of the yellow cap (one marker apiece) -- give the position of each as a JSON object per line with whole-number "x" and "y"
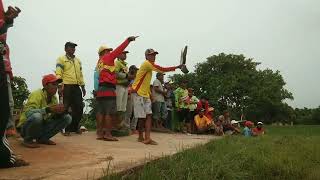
{"x": 104, "y": 47}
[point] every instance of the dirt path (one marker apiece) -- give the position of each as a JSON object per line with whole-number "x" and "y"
{"x": 83, "y": 157}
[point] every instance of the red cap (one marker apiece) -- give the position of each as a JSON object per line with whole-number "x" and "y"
{"x": 50, "y": 78}
{"x": 248, "y": 123}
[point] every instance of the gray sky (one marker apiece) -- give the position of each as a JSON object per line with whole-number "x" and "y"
{"x": 282, "y": 34}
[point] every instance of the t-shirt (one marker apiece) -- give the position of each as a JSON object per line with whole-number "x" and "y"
{"x": 192, "y": 103}
{"x": 181, "y": 97}
{"x": 258, "y": 131}
{"x": 157, "y": 97}
{"x": 202, "y": 122}
{"x": 247, "y": 132}
{"x": 142, "y": 81}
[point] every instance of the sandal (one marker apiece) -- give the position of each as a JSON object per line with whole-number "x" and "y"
{"x": 110, "y": 139}
{"x": 150, "y": 142}
{"x": 46, "y": 142}
{"x": 30, "y": 144}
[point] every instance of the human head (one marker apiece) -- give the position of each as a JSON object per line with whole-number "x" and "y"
{"x": 259, "y": 125}
{"x": 104, "y": 50}
{"x": 226, "y": 114}
{"x": 160, "y": 76}
{"x": 201, "y": 112}
{"x": 70, "y": 48}
{"x": 248, "y": 124}
{"x": 151, "y": 55}
{"x": 203, "y": 99}
{"x": 50, "y": 84}
{"x": 133, "y": 69}
{"x": 123, "y": 55}
{"x": 221, "y": 118}
{"x": 234, "y": 123}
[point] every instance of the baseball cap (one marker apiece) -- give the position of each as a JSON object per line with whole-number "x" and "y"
{"x": 125, "y": 52}
{"x": 234, "y": 122}
{"x": 159, "y": 74}
{"x": 50, "y": 78}
{"x": 260, "y": 123}
{"x": 70, "y": 44}
{"x": 104, "y": 47}
{"x": 150, "y": 51}
{"x": 248, "y": 123}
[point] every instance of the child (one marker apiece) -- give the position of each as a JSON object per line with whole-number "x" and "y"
{"x": 247, "y": 130}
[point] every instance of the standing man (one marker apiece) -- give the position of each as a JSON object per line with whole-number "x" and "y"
{"x": 69, "y": 69}
{"x": 122, "y": 86}
{"x": 106, "y": 93}
{"x": 7, "y": 158}
{"x": 142, "y": 102}
{"x": 159, "y": 108}
{"x": 181, "y": 95}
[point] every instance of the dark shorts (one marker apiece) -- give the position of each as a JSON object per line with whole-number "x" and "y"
{"x": 190, "y": 116}
{"x": 106, "y": 106}
{"x": 183, "y": 115}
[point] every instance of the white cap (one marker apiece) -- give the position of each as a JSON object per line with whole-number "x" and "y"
{"x": 234, "y": 122}
{"x": 260, "y": 123}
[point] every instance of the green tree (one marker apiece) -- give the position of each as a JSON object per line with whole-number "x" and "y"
{"x": 20, "y": 91}
{"x": 233, "y": 82}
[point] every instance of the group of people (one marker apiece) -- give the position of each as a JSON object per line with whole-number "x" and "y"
{"x": 125, "y": 99}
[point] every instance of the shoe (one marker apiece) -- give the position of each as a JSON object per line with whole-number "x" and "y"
{"x": 30, "y": 144}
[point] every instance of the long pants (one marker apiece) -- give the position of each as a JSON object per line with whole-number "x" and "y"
{"x": 122, "y": 97}
{"x": 36, "y": 127}
{"x": 72, "y": 99}
{"x": 130, "y": 120}
{"x": 11, "y": 123}
{"x": 6, "y": 156}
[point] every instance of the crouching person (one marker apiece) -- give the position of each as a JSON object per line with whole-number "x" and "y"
{"x": 204, "y": 125}
{"x": 42, "y": 116}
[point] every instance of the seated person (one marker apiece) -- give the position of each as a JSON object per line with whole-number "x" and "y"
{"x": 42, "y": 116}
{"x": 259, "y": 130}
{"x": 203, "y": 124}
{"x": 247, "y": 129}
{"x": 235, "y": 127}
{"x": 219, "y": 127}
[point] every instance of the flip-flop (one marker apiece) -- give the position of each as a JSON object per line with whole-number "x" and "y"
{"x": 99, "y": 138}
{"x": 110, "y": 139}
{"x": 151, "y": 142}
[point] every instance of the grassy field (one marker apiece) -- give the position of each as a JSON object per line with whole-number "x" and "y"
{"x": 284, "y": 153}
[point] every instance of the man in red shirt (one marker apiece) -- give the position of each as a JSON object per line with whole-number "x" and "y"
{"x": 259, "y": 130}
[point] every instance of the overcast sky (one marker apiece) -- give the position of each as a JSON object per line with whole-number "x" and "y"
{"x": 282, "y": 34}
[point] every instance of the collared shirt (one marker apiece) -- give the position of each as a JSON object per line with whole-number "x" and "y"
{"x": 36, "y": 103}
{"x": 142, "y": 81}
{"x": 69, "y": 70}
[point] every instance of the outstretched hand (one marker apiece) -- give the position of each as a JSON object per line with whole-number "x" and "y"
{"x": 132, "y": 38}
{"x": 12, "y": 13}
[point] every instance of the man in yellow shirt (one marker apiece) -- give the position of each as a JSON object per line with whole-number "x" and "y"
{"x": 69, "y": 69}
{"x": 141, "y": 97}
{"x": 203, "y": 123}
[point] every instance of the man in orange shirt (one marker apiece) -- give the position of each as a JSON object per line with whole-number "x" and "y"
{"x": 203, "y": 123}
{"x": 141, "y": 97}
{"x": 259, "y": 130}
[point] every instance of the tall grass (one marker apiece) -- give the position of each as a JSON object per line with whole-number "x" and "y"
{"x": 284, "y": 153}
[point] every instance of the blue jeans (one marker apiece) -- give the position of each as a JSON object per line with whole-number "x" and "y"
{"x": 37, "y": 128}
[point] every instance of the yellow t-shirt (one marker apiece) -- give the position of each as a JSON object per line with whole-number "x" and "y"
{"x": 142, "y": 81}
{"x": 202, "y": 122}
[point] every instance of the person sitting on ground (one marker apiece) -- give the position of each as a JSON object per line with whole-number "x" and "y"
{"x": 259, "y": 130}
{"x": 42, "y": 116}
{"x": 235, "y": 127}
{"x": 204, "y": 104}
{"x": 191, "y": 101}
{"x": 227, "y": 126}
{"x": 203, "y": 124}
{"x": 218, "y": 126}
{"x": 247, "y": 131}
